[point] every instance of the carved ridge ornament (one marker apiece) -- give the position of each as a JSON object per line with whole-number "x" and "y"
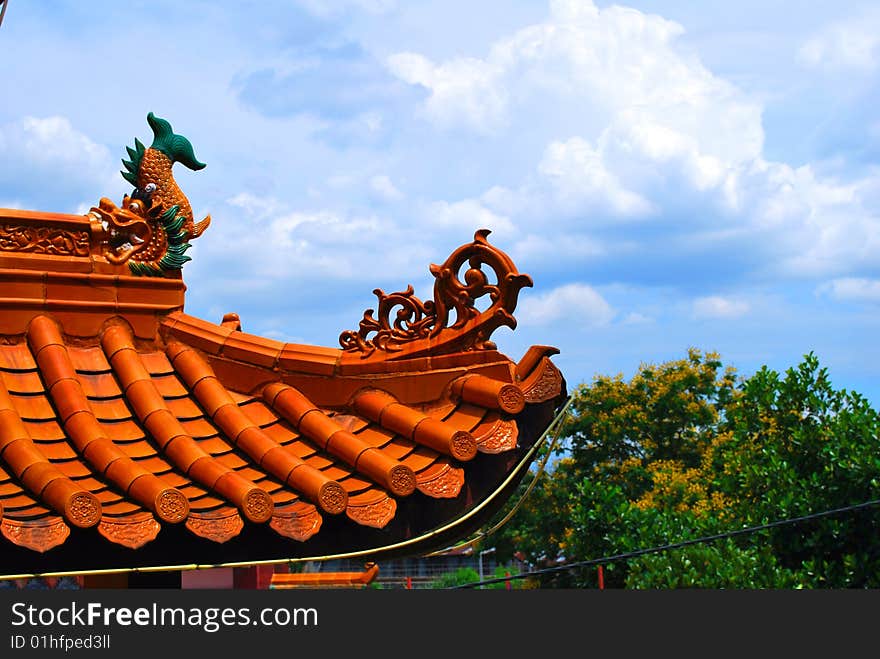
{"x": 151, "y": 230}
{"x": 451, "y": 321}
{"x": 43, "y": 240}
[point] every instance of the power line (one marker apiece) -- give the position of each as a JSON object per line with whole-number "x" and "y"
{"x": 676, "y": 545}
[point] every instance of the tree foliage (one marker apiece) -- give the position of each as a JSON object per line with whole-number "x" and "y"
{"x": 686, "y": 449}
{"x": 461, "y": 576}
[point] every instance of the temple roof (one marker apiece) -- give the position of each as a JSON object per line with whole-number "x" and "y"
{"x": 134, "y": 435}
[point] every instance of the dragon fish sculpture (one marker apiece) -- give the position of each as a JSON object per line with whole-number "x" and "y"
{"x": 152, "y": 229}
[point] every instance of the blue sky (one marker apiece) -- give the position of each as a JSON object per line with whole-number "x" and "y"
{"x": 671, "y": 174}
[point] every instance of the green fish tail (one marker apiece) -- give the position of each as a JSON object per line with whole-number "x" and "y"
{"x": 176, "y": 147}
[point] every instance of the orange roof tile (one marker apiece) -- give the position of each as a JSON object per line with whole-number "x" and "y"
{"x": 126, "y": 423}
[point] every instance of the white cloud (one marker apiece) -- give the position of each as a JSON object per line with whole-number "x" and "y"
{"x": 283, "y": 244}
{"x": 254, "y": 206}
{"x": 581, "y": 67}
{"x": 636, "y": 137}
{"x": 466, "y": 216}
{"x": 578, "y": 304}
{"x": 850, "y": 44}
{"x": 578, "y": 176}
{"x": 852, "y": 289}
{"x": 52, "y": 141}
{"x": 716, "y": 306}
{"x": 385, "y": 189}
{"x": 548, "y": 248}
{"x": 816, "y": 226}
{"x": 632, "y": 122}
{"x": 627, "y": 125}
{"x": 464, "y": 91}
{"x": 48, "y": 157}
{"x": 636, "y": 169}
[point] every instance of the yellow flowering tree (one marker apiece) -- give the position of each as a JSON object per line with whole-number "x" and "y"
{"x": 636, "y": 443}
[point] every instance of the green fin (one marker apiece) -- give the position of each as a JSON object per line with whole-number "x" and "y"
{"x": 134, "y": 164}
{"x": 174, "y": 257}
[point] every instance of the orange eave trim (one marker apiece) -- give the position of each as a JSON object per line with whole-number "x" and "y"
{"x": 325, "y": 579}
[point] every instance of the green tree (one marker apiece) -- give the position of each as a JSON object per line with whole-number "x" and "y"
{"x": 793, "y": 445}
{"x": 685, "y": 450}
{"x": 462, "y": 576}
{"x": 619, "y": 437}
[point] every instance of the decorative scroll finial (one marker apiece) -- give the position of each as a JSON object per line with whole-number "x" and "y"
{"x": 418, "y": 326}
{"x": 151, "y": 230}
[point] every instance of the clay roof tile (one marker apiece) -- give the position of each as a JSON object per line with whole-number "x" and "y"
{"x": 121, "y": 412}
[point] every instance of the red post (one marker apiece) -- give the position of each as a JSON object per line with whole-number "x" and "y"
{"x": 507, "y": 581}
{"x": 601, "y": 578}
{"x": 409, "y": 583}
{"x": 245, "y": 577}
